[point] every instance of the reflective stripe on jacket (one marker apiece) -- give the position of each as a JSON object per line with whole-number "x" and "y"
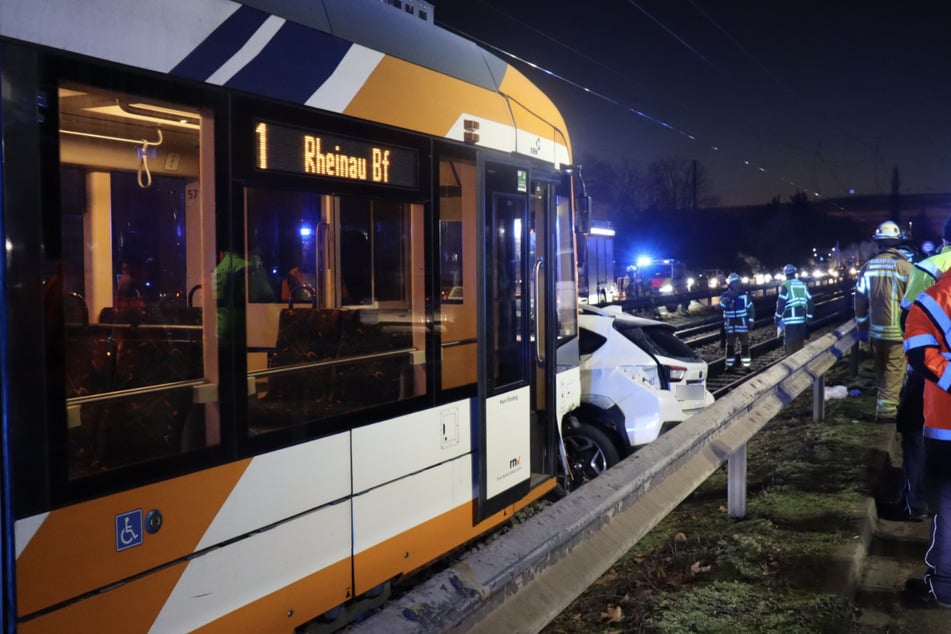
{"x": 878, "y": 294}
{"x": 793, "y": 303}
{"x": 738, "y": 311}
{"x": 928, "y": 340}
{"x": 924, "y": 274}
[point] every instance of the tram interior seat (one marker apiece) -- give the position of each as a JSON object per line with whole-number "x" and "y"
{"x": 347, "y": 382}
{"x": 121, "y": 355}
{"x": 75, "y": 310}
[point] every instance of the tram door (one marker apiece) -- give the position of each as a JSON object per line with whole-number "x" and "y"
{"x": 506, "y": 338}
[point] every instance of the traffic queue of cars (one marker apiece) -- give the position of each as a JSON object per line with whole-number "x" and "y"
{"x": 637, "y": 379}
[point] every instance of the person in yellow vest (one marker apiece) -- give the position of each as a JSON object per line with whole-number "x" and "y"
{"x": 878, "y": 293}
{"x": 738, "y": 317}
{"x": 793, "y": 310}
{"x": 927, "y": 345}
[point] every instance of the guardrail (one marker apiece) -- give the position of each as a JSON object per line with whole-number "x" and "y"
{"x": 582, "y": 535}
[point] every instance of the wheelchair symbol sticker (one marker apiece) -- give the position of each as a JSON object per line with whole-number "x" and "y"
{"x": 129, "y": 529}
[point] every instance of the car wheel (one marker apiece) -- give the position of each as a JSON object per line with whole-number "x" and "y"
{"x": 590, "y": 453}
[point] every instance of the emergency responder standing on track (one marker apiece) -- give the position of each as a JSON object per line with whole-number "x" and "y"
{"x": 793, "y": 310}
{"x": 911, "y": 504}
{"x": 927, "y": 344}
{"x": 738, "y": 317}
{"x": 878, "y": 292}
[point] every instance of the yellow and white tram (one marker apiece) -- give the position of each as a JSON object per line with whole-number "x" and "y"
{"x": 289, "y": 307}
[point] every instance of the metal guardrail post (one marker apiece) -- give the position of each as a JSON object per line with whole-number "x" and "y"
{"x": 736, "y": 483}
{"x": 818, "y": 398}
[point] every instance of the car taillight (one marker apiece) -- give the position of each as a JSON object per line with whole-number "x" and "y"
{"x": 645, "y": 374}
{"x": 677, "y": 373}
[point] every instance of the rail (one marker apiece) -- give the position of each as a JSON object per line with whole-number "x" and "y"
{"x": 518, "y": 583}
{"x": 710, "y": 296}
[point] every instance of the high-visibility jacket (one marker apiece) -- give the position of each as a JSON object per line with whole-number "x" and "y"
{"x": 738, "y": 311}
{"x": 793, "y": 303}
{"x": 926, "y": 273}
{"x": 878, "y": 294}
{"x": 928, "y": 350}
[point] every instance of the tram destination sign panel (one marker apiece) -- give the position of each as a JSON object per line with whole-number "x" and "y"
{"x": 315, "y": 153}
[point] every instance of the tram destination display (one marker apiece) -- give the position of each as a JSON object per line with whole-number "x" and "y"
{"x": 315, "y": 153}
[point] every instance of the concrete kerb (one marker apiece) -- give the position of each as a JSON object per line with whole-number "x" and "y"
{"x": 636, "y": 494}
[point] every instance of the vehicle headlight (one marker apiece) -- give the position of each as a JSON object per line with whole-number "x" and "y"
{"x": 666, "y": 288}
{"x": 643, "y": 374}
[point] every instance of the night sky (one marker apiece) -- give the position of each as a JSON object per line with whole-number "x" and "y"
{"x": 826, "y": 97}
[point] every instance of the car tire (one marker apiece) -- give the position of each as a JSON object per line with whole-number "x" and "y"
{"x": 590, "y": 453}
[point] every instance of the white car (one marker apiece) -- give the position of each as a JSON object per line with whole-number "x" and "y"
{"x": 637, "y": 379}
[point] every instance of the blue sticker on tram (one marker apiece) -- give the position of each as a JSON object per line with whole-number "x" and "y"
{"x": 129, "y": 529}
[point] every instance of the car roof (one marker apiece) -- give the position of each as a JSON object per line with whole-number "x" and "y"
{"x": 616, "y": 312}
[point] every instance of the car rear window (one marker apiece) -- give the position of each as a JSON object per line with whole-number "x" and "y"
{"x": 589, "y": 341}
{"x": 658, "y": 340}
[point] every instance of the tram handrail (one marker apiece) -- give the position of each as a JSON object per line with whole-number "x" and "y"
{"x": 582, "y": 535}
{"x": 311, "y": 365}
{"x": 115, "y": 395}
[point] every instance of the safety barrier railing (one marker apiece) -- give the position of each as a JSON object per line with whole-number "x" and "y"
{"x": 582, "y": 535}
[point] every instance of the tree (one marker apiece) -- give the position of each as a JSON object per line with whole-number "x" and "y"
{"x": 631, "y": 187}
{"x": 600, "y": 182}
{"x": 675, "y": 183}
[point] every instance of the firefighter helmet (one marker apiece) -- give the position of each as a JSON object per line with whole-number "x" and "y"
{"x": 888, "y": 230}
{"x": 733, "y": 279}
{"x": 789, "y": 270}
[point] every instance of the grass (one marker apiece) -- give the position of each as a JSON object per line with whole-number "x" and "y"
{"x": 701, "y": 571}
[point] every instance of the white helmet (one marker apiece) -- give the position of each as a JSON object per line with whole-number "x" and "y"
{"x": 733, "y": 279}
{"x": 888, "y": 230}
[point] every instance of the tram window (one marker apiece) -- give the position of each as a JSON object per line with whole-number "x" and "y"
{"x": 566, "y": 285}
{"x": 354, "y": 338}
{"x": 134, "y": 346}
{"x": 457, "y": 245}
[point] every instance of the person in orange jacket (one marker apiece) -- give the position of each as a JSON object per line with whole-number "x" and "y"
{"x": 927, "y": 345}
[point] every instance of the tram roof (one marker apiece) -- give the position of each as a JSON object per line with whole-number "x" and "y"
{"x": 396, "y": 33}
{"x": 369, "y": 60}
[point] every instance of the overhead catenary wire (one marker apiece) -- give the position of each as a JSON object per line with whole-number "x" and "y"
{"x": 665, "y": 122}
{"x": 716, "y": 147}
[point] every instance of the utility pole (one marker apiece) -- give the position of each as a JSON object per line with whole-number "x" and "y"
{"x": 895, "y": 202}
{"x": 693, "y": 184}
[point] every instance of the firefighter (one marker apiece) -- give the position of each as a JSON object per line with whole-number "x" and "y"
{"x": 911, "y": 503}
{"x": 793, "y": 310}
{"x": 878, "y": 292}
{"x": 738, "y": 317}
{"x": 927, "y": 343}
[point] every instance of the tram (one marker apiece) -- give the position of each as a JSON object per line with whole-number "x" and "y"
{"x": 289, "y": 307}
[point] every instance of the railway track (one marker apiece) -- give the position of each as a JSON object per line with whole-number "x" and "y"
{"x": 702, "y": 333}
